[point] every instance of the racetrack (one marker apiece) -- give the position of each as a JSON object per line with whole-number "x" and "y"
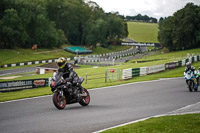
{"x": 109, "y": 106}
{"x": 17, "y": 71}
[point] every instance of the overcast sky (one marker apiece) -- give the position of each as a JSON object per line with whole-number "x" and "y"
{"x": 152, "y": 8}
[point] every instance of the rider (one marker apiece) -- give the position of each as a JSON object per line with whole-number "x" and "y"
{"x": 68, "y": 73}
{"x": 198, "y": 76}
{"x": 189, "y": 67}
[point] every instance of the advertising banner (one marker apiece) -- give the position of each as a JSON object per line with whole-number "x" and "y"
{"x": 171, "y": 65}
{"x": 22, "y": 84}
{"x": 155, "y": 69}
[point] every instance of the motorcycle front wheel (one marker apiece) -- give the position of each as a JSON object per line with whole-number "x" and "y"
{"x": 58, "y": 100}
{"x": 85, "y": 99}
{"x": 190, "y": 86}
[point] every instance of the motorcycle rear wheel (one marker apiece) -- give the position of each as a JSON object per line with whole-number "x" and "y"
{"x": 196, "y": 89}
{"x": 59, "y": 101}
{"x": 86, "y": 99}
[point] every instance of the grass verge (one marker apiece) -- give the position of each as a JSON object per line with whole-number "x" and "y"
{"x": 167, "y": 124}
{"x": 178, "y": 72}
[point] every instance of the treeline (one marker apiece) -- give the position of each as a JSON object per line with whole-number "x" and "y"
{"x": 182, "y": 30}
{"x": 51, "y": 23}
{"x": 142, "y": 18}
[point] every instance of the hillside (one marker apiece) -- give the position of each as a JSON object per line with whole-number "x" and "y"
{"x": 138, "y": 31}
{"x": 143, "y": 32}
{"x": 9, "y": 56}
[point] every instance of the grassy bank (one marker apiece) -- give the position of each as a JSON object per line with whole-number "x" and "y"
{"x": 143, "y": 32}
{"x": 9, "y": 56}
{"x": 168, "y": 124}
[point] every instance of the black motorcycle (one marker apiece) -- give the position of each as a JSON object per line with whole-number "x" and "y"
{"x": 67, "y": 93}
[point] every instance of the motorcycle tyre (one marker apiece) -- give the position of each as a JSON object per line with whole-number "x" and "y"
{"x": 190, "y": 86}
{"x": 83, "y": 102}
{"x": 55, "y": 101}
{"x": 196, "y": 89}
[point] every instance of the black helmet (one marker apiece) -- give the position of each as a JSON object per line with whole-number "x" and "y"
{"x": 188, "y": 65}
{"x": 61, "y": 62}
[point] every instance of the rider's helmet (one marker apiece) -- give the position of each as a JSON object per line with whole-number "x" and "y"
{"x": 61, "y": 62}
{"x": 188, "y": 65}
{"x": 199, "y": 69}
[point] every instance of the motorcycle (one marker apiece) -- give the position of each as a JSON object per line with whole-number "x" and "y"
{"x": 198, "y": 74}
{"x": 65, "y": 93}
{"x": 191, "y": 81}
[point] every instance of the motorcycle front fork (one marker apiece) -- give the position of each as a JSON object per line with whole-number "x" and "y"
{"x": 194, "y": 81}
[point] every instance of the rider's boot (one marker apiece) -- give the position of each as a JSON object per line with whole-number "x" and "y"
{"x": 82, "y": 92}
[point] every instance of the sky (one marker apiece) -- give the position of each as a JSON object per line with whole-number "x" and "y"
{"x": 152, "y": 8}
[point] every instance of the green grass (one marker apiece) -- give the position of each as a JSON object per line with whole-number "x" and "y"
{"x": 9, "y": 56}
{"x": 167, "y": 124}
{"x": 164, "y": 57}
{"x": 101, "y": 50}
{"x": 143, "y": 32}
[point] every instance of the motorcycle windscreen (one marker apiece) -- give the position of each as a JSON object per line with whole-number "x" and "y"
{"x": 58, "y": 78}
{"x": 80, "y": 80}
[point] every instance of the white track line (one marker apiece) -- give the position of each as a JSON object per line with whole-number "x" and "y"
{"x": 93, "y": 89}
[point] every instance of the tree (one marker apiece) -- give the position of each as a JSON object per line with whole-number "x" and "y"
{"x": 182, "y": 29}
{"x": 97, "y": 33}
{"x": 51, "y": 23}
{"x": 117, "y": 28}
{"x": 11, "y": 31}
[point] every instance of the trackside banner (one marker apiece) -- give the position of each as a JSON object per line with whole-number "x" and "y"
{"x": 155, "y": 69}
{"x": 22, "y": 84}
{"x": 138, "y": 44}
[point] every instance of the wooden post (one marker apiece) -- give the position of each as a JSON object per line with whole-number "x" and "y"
{"x": 86, "y": 79}
{"x": 106, "y": 77}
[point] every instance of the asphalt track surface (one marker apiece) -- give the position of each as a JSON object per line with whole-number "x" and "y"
{"x": 110, "y": 106}
{"x": 17, "y": 71}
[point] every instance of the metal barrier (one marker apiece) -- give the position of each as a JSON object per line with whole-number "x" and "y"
{"x": 135, "y": 72}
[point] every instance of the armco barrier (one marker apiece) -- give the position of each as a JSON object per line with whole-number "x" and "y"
{"x": 23, "y": 84}
{"x": 179, "y": 63}
{"x": 183, "y": 62}
{"x": 143, "y": 71}
{"x": 135, "y": 72}
{"x": 127, "y": 73}
{"x": 190, "y": 60}
{"x": 171, "y": 65}
{"x": 195, "y": 58}
{"x": 155, "y": 69}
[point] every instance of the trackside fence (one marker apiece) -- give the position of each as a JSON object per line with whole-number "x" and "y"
{"x": 100, "y": 77}
{"x": 133, "y": 72}
{"x": 110, "y": 75}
